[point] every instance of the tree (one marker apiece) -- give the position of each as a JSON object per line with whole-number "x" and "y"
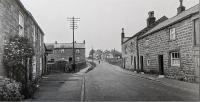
{"x": 91, "y": 52}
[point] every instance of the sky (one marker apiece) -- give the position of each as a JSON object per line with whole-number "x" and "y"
{"x": 101, "y": 21}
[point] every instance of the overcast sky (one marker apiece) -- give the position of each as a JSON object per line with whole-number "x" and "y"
{"x": 101, "y": 20}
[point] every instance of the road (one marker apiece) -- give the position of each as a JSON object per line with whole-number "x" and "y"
{"x": 105, "y": 83}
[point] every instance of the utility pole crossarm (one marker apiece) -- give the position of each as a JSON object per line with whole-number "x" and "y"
{"x": 73, "y": 26}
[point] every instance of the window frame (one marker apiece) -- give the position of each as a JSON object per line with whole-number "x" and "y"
{"x": 175, "y": 57}
{"x": 170, "y": 34}
{"x": 62, "y": 50}
{"x": 34, "y": 35}
{"x": 148, "y": 62}
{"x": 21, "y": 24}
{"x": 131, "y": 60}
{"x": 194, "y": 31}
{"x": 77, "y": 51}
{"x": 78, "y": 59}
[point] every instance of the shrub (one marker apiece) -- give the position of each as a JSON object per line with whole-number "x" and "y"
{"x": 10, "y": 91}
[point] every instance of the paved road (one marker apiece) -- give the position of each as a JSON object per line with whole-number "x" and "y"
{"x": 105, "y": 83}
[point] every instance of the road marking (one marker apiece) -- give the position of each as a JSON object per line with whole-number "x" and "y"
{"x": 83, "y": 89}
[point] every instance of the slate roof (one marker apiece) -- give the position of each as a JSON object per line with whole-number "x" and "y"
{"x": 185, "y": 14}
{"x": 51, "y": 46}
{"x": 146, "y": 29}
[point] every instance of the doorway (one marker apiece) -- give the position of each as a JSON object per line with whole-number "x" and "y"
{"x": 124, "y": 63}
{"x": 135, "y": 63}
{"x": 142, "y": 63}
{"x": 161, "y": 64}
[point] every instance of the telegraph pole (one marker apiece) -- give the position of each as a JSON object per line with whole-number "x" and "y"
{"x": 73, "y": 26}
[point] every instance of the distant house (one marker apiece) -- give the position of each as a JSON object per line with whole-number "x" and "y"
{"x": 64, "y": 52}
{"x": 15, "y": 19}
{"x": 170, "y": 47}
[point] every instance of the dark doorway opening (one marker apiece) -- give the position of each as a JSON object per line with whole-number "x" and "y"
{"x": 161, "y": 64}
{"x": 135, "y": 63}
{"x": 142, "y": 63}
{"x": 70, "y": 59}
{"x": 124, "y": 63}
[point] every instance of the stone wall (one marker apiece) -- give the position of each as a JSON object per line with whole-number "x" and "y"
{"x": 9, "y": 26}
{"x": 129, "y": 49}
{"x": 159, "y": 44}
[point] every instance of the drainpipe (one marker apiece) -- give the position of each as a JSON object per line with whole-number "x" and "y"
{"x": 137, "y": 53}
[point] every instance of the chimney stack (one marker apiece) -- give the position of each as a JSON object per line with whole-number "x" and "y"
{"x": 151, "y": 20}
{"x": 84, "y": 41}
{"x": 122, "y": 35}
{"x": 56, "y": 42}
{"x": 181, "y": 8}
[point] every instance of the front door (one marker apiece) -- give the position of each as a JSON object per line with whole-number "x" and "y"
{"x": 142, "y": 63}
{"x": 161, "y": 64}
{"x": 135, "y": 63}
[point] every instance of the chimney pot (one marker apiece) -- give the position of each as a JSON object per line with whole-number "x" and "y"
{"x": 181, "y": 8}
{"x": 151, "y": 19}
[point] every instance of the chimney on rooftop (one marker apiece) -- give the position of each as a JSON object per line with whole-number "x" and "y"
{"x": 181, "y": 8}
{"x": 84, "y": 41}
{"x": 151, "y": 19}
{"x": 56, "y": 42}
{"x": 122, "y": 35}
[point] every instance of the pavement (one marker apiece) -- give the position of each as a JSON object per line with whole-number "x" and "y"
{"x": 61, "y": 87}
{"x": 193, "y": 87}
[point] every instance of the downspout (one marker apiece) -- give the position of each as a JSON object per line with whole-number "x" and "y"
{"x": 137, "y": 53}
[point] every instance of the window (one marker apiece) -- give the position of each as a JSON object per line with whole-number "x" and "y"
{"x": 175, "y": 59}
{"x": 148, "y": 62}
{"x": 172, "y": 33}
{"x": 40, "y": 65}
{"x": 196, "y": 32}
{"x": 34, "y": 39}
{"x": 78, "y": 59}
{"x": 77, "y": 51}
{"x": 21, "y": 24}
{"x": 40, "y": 40}
{"x": 62, "y": 50}
{"x": 147, "y": 42}
{"x": 52, "y": 60}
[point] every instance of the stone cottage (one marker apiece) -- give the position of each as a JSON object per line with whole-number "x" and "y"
{"x": 15, "y": 19}
{"x": 170, "y": 49}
